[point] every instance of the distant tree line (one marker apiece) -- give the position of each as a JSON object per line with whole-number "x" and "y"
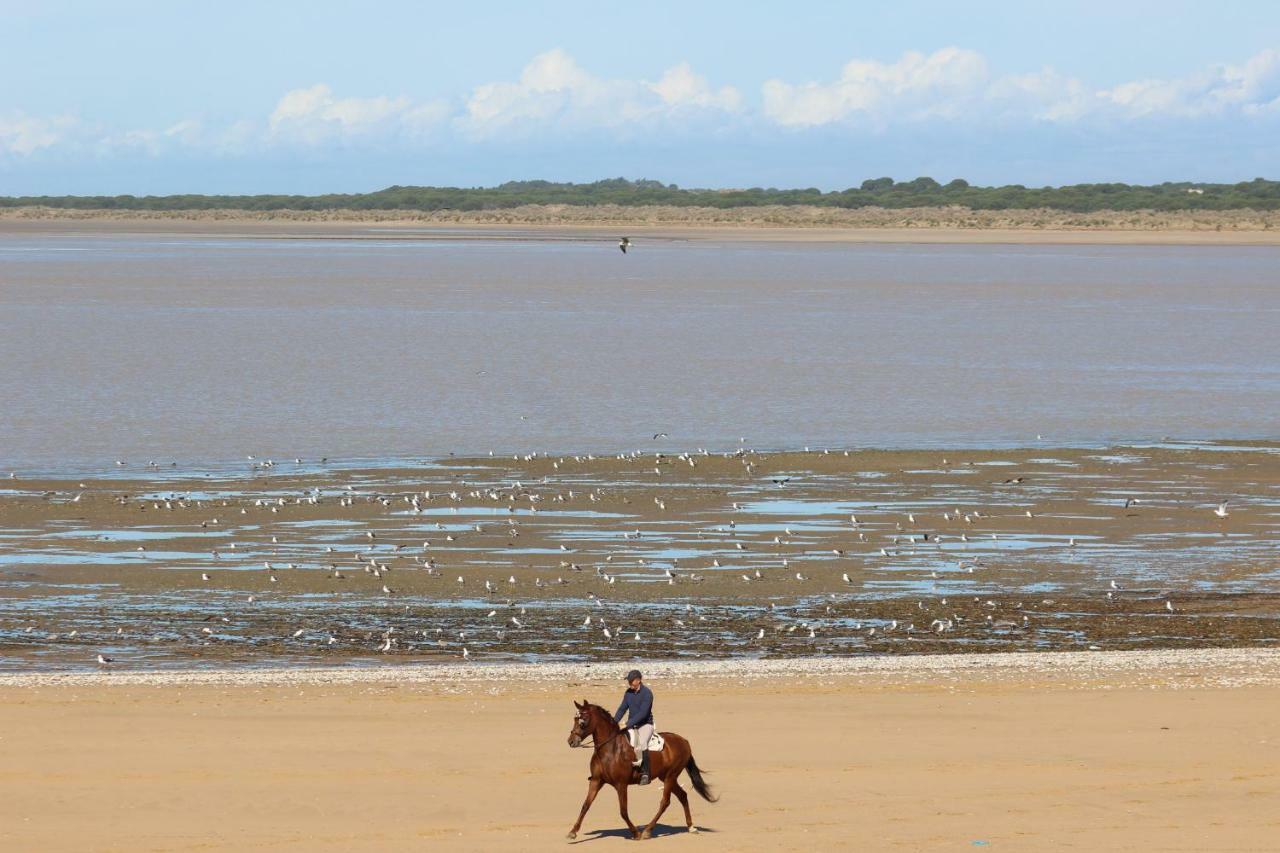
{"x": 1258, "y": 194}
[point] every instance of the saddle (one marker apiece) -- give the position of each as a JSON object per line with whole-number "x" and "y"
{"x": 656, "y": 742}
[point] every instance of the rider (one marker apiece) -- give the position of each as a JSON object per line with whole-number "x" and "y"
{"x": 637, "y": 704}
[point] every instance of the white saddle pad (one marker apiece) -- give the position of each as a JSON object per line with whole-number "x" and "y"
{"x": 656, "y": 742}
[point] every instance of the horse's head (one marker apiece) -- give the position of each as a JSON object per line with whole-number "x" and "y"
{"x": 581, "y": 724}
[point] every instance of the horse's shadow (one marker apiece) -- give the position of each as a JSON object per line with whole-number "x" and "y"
{"x": 659, "y": 831}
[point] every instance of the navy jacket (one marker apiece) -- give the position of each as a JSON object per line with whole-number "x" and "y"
{"x": 638, "y": 704}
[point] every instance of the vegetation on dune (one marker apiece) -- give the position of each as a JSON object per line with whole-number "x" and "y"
{"x": 1258, "y": 194}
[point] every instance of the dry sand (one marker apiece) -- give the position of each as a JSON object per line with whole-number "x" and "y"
{"x": 1106, "y": 751}
{"x": 774, "y": 224}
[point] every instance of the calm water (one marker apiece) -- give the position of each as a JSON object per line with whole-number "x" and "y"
{"x": 191, "y": 349}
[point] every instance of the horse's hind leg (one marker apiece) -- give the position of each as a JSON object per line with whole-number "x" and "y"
{"x": 684, "y": 801}
{"x": 662, "y": 806}
{"x": 622, "y": 808}
{"x": 593, "y": 788}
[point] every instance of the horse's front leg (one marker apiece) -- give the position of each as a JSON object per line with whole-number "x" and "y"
{"x": 622, "y": 807}
{"x": 593, "y": 788}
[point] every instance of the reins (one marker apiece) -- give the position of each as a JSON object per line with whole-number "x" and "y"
{"x": 599, "y": 745}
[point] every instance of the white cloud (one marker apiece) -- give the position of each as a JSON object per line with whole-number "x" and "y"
{"x": 314, "y": 115}
{"x": 553, "y": 95}
{"x": 916, "y": 86}
{"x": 1251, "y": 88}
{"x": 954, "y": 83}
{"x": 681, "y": 87}
{"x": 1044, "y": 95}
{"x": 553, "y": 90}
{"x": 24, "y": 134}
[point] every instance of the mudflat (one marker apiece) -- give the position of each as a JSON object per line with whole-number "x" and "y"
{"x": 1131, "y": 751}
{"x": 691, "y": 554}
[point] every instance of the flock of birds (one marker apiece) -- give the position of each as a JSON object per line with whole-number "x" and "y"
{"x": 382, "y": 553}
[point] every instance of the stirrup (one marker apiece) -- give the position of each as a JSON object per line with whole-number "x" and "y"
{"x": 644, "y": 779}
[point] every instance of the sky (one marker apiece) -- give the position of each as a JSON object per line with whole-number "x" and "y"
{"x": 289, "y": 97}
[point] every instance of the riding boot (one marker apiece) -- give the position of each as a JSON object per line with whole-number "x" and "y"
{"x": 644, "y": 768}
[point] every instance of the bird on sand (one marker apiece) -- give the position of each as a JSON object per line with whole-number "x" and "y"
{"x": 103, "y": 660}
{"x": 624, "y": 243}
{"x": 1221, "y": 511}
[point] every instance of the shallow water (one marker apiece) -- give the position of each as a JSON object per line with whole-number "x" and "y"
{"x": 205, "y": 350}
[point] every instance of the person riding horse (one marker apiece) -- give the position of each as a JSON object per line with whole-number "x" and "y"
{"x": 637, "y": 704}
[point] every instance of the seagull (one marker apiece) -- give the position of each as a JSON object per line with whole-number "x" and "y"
{"x": 103, "y": 660}
{"x": 658, "y": 435}
{"x": 624, "y": 243}
{"x": 1168, "y": 605}
{"x": 1221, "y": 511}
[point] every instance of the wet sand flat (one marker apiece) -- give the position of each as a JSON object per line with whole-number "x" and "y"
{"x": 1103, "y": 751}
{"x": 692, "y": 554}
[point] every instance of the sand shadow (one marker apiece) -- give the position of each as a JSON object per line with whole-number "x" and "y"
{"x": 659, "y": 831}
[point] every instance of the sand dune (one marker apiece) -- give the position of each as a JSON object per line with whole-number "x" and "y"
{"x": 791, "y": 223}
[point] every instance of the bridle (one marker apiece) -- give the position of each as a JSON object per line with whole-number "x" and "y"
{"x": 598, "y": 744}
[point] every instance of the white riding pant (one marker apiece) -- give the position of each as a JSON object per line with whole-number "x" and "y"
{"x": 640, "y": 738}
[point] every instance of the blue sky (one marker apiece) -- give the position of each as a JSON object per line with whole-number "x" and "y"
{"x": 149, "y": 97}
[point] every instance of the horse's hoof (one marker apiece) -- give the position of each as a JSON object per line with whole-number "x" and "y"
{"x": 646, "y": 834}
{"x": 571, "y": 836}
{"x": 693, "y": 829}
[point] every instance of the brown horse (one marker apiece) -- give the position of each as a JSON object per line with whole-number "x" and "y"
{"x": 611, "y": 764}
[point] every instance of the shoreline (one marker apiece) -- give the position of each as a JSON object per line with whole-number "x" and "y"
{"x": 781, "y": 225}
{"x": 1223, "y": 667}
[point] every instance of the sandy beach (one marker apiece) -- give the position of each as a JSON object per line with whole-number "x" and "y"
{"x": 666, "y": 224}
{"x": 1131, "y": 751}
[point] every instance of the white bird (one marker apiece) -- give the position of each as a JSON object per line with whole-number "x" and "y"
{"x": 103, "y": 660}
{"x": 1168, "y": 605}
{"x": 760, "y": 636}
{"x": 1221, "y": 511}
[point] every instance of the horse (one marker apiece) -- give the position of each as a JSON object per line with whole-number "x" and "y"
{"x": 611, "y": 764}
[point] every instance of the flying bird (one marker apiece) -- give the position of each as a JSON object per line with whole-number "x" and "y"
{"x": 624, "y": 243}
{"x": 1221, "y": 511}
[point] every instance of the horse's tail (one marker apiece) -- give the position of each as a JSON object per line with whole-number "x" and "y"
{"x": 699, "y": 784}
